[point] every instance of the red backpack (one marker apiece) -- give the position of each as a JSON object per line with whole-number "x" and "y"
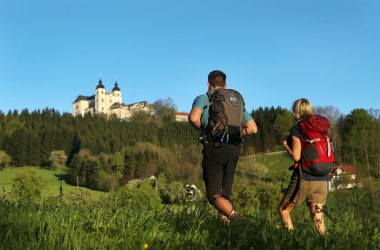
{"x": 316, "y": 146}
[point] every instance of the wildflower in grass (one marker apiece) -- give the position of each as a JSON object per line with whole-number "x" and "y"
{"x": 278, "y": 225}
{"x": 146, "y": 246}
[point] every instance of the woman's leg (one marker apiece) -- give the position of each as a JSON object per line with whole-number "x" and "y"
{"x": 316, "y": 201}
{"x": 284, "y": 209}
{"x": 286, "y": 205}
{"x": 316, "y": 213}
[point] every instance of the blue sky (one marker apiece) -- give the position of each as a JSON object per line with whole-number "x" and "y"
{"x": 273, "y": 51}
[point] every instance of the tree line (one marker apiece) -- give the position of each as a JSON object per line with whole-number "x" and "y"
{"x": 103, "y": 153}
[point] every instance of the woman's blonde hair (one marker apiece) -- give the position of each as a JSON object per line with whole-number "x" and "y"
{"x": 302, "y": 109}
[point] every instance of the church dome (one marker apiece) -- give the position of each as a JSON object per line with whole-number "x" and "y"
{"x": 100, "y": 85}
{"x": 116, "y": 88}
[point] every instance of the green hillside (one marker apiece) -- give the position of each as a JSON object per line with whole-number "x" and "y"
{"x": 265, "y": 166}
{"x": 272, "y": 167}
{"x": 53, "y": 178}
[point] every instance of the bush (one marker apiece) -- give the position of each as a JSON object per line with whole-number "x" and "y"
{"x": 143, "y": 197}
{"x": 27, "y": 187}
{"x": 108, "y": 181}
{"x": 254, "y": 196}
{"x": 5, "y": 159}
{"x": 78, "y": 196}
{"x": 170, "y": 192}
{"x": 173, "y": 193}
{"x": 268, "y": 194}
{"x": 57, "y": 159}
{"x": 245, "y": 196}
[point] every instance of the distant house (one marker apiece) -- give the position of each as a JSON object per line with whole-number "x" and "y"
{"x": 181, "y": 116}
{"x": 344, "y": 176}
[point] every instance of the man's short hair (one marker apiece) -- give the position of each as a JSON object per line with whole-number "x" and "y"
{"x": 217, "y": 78}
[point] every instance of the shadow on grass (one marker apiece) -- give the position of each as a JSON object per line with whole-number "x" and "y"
{"x": 63, "y": 177}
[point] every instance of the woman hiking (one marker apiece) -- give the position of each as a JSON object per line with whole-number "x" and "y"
{"x": 303, "y": 183}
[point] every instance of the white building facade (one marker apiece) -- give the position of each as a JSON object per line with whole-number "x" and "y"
{"x": 108, "y": 103}
{"x": 343, "y": 177}
{"x": 181, "y": 116}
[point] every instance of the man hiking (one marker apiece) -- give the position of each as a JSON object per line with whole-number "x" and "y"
{"x": 221, "y": 116}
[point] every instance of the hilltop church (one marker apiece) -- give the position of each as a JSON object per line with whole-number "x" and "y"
{"x": 108, "y": 104}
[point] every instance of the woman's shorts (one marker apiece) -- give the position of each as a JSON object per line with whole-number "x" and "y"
{"x": 314, "y": 191}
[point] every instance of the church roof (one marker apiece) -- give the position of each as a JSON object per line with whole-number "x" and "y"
{"x": 100, "y": 85}
{"x": 142, "y": 104}
{"x": 84, "y": 98}
{"x": 116, "y": 105}
{"x": 116, "y": 88}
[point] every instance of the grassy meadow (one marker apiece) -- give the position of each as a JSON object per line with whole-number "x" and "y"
{"x": 53, "y": 181}
{"x": 134, "y": 218}
{"x": 272, "y": 167}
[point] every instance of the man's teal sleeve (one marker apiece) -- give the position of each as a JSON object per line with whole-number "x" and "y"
{"x": 247, "y": 116}
{"x": 201, "y": 103}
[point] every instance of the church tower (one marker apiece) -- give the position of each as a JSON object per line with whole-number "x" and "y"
{"x": 116, "y": 94}
{"x": 100, "y": 96}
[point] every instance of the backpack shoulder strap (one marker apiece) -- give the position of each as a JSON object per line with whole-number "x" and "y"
{"x": 209, "y": 93}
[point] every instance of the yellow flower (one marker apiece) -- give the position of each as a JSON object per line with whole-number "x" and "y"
{"x": 146, "y": 246}
{"x": 278, "y": 226}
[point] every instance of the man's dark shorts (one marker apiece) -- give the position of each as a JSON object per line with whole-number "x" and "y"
{"x": 219, "y": 164}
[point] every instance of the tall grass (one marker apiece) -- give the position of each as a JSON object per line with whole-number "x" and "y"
{"x": 113, "y": 224}
{"x": 135, "y": 219}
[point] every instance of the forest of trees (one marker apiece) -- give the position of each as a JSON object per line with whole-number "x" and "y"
{"x": 104, "y": 153}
